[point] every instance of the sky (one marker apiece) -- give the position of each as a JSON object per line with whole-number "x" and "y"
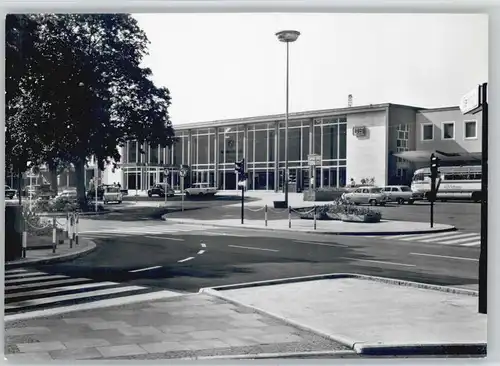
{"x": 220, "y": 66}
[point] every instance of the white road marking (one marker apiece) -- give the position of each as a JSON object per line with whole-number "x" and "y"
{"x": 457, "y": 241}
{"x": 185, "y": 259}
{"x": 324, "y": 244}
{"x": 144, "y": 269}
{"x": 448, "y": 238}
{"x": 203, "y": 245}
{"x": 164, "y": 238}
{"x": 36, "y": 278}
{"x": 15, "y": 271}
{"x": 474, "y": 244}
{"x": 59, "y": 289}
{"x": 201, "y": 252}
{"x": 20, "y": 275}
{"x": 50, "y": 300}
{"x": 93, "y": 305}
{"x": 269, "y": 250}
{"x": 35, "y": 285}
{"x": 446, "y": 256}
{"x": 421, "y": 237}
{"x": 383, "y": 262}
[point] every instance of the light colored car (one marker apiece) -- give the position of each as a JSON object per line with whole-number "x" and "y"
{"x": 400, "y": 194}
{"x": 367, "y": 195}
{"x": 112, "y": 194}
{"x": 201, "y": 189}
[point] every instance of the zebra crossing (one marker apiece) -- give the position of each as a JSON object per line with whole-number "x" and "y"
{"x": 141, "y": 230}
{"x": 460, "y": 238}
{"x": 30, "y": 291}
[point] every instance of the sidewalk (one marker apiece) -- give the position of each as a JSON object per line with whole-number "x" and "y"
{"x": 370, "y": 315}
{"x": 384, "y": 227}
{"x": 185, "y": 326}
{"x": 63, "y": 253}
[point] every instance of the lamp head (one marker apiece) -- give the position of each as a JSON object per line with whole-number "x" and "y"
{"x": 288, "y": 35}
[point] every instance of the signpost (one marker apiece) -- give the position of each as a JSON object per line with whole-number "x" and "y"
{"x": 313, "y": 160}
{"x": 434, "y": 187}
{"x": 474, "y": 101}
{"x": 239, "y": 168}
{"x": 183, "y": 173}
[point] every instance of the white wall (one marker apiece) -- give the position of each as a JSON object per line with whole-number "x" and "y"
{"x": 367, "y": 156}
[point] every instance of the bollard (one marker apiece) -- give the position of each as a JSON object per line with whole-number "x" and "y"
{"x": 54, "y": 235}
{"x": 66, "y": 232}
{"x": 289, "y": 217}
{"x": 25, "y": 243}
{"x": 265, "y": 215}
{"x": 314, "y": 217}
{"x": 70, "y": 232}
{"x": 77, "y": 220}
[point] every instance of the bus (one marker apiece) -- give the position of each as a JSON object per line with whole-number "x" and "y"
{"x": 457, "y": 182}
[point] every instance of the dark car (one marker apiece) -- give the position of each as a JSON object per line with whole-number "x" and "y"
{"x": 159, "y": 190}
{"x": 9, "y": 192}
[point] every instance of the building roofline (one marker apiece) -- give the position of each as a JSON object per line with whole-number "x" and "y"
{"x": 278, "y": 117}
{"x": 439, "y": 109}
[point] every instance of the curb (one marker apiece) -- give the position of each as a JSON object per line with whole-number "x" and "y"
{"x": 391, "y": 281}
{"x": 344, "y": 341}
{"x": 346, "y": 233}
{"x": 60, "y": 258}
{"x": 452, "y": 349}
{"x": 261, "y": 356}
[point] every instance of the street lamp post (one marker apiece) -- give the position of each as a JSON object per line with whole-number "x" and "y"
{"x": 287, "y": 36}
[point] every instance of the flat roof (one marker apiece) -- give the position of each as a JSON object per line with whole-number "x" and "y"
{"x": 302, "y": 115}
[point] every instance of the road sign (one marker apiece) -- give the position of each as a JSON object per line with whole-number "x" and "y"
{"x": 470, "y": 101}
{"x": 183, "y": 172}
{"x": 314, "y": 159}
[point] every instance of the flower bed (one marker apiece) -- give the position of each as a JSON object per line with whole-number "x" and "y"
{"x": 341, "y": 211}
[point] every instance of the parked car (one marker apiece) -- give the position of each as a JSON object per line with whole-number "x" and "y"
{"x": 66, "y": 195}
{"x": 9, "y": 192}
{"x": 367, "y": 195}
{"x": 112, "y": 194}
{"x": 401, "y": 194}
{"x": 159, "y": 190}
{"x": 201, "y": 189}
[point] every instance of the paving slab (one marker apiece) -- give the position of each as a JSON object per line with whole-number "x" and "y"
{"x": 364, "y": 311}
{"x": 100, "y": 334}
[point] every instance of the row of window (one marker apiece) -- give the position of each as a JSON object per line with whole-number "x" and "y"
{"x": 448, "y": 131}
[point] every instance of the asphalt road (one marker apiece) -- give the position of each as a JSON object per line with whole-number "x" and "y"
{"x": 464, "y": 216}
{"x": 228, "y": 256}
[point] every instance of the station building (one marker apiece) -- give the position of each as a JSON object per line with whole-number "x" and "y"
{"x": 386, "y": 142}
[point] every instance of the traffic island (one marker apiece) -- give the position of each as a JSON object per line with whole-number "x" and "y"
{"x": 331, "y": 227}
{"x": 361, "y": 312}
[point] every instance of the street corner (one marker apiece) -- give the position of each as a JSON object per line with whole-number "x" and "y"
{"x": 46, "y": 256}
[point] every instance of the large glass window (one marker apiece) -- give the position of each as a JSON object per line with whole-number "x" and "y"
{"x": 261, "y": 145}
{"x": 132, "y": 151}
{"x": 185, "y": 149}
{"x": 220, "y": 149}
{"x": 342, "y": 141}
{"x": 271, "y": 145}
{"x": 305, "y": 143}
{"x": 330, "y": 136}
{"x": 250, "y": 137}
{"x": 317, "y": 139}
{"x": 203, "y": 149}
{"x": 230, "y": 139}
{"x": 178, "y": 152}
{"x": 153, "y": 155}
{"x": 241, "y": 145}
{"x": 212, "y": 148}
{"x": 294, "y": 144}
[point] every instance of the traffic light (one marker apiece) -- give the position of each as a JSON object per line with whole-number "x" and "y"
{"x": 434, "y": 166}
{"x": 239, "y": 167}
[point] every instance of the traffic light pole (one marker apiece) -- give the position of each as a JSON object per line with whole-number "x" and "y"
{"x": 242, "y": 203}
{"x": 483, "y": 256}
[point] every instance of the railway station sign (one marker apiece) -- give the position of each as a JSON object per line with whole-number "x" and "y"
{"x": 314, "y": 159}
{"x": 471, "y": 101}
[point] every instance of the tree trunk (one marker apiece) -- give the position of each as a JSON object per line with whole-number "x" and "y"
{"x": 53, "y": 177}
{"x": 80, "y": 183}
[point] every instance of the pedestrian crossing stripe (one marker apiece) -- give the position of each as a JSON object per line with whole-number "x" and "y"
{"x": 29, "y": 292}
{"x": 466, "y": 239}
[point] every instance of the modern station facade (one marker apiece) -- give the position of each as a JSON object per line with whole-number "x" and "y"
{"x": 353, "y": 143}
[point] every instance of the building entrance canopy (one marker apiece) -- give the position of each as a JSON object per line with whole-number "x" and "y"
{"x": 420, "y": 156}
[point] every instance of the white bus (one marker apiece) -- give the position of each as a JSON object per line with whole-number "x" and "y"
{"x": 457, "y": 182}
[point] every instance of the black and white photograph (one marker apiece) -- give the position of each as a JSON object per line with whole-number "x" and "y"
{"x": 228, "y": 186}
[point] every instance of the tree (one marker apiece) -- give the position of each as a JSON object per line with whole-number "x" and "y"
{"x": 93, "y": 94}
